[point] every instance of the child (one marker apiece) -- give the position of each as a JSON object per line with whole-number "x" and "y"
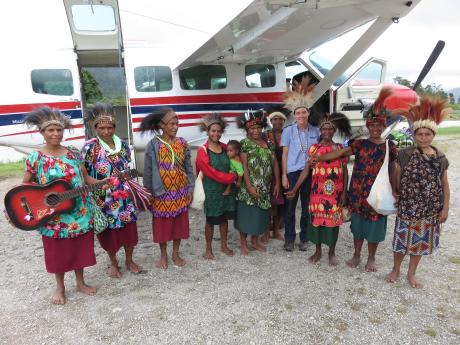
{"x": 328, "y": 190}
{"x": 236, "y": 166}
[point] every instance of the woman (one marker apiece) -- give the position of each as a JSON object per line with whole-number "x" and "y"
{"x": 168, "y": 175}
{"x": 254, "y": 197}
{"x": 277, "y": 120}
{"x": 366, "y": 224}
{"x": 104, "y": 155}
{"x": 328, "y": 189}
{"x": 422, "y": 190}
{"x": 213, "y": 162}
{"x": 68, "y": 239}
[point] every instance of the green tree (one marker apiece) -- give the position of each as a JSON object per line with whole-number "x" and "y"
{"x": 90, "y": 87}
{"x": 432, "y": 89}
{"x": 451, "y": 98}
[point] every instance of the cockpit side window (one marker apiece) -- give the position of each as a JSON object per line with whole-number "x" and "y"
{"x": 203, "y": 77}
{"x": 259, "y": 76}
{"x": 56, "y": 82}
{"x": 153, "y": 78}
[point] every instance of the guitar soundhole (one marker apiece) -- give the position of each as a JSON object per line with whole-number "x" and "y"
{"x": 52, "y": 199}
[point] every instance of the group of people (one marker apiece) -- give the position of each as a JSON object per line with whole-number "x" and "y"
{"x": 255, "y": 182}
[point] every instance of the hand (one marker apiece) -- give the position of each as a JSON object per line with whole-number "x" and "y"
{"x": 396, "y": 196}
{"x": 252, "y": 192}
{"x": 238, "y": 185}
{"x": 276, "y": 190}
{"x": 343, "y": 200}
{"x": 313, "y": 160}
{"x": 189, "y": 198}
{"x": 443, "y": 215}
{"x": 290, "y": 194}
{"x": 285, "y": 182}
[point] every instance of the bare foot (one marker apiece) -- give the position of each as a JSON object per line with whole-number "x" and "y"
{"x": 278, "y": 235}
{"x": 392, "y": 276}
{"x": 413, "y": 282}
{"x": 86, "y": 289}
{"x": 114, "y": 272}
{"x": 333, "y": 260}
{"x": 208, "y": 256}
{"x": 244, "y": 250}
{"x": 315, "y": 258}
{"x": 227, "y": 251}
{"x": 370, "y": 265}
{"x": 133, "y": 267}
{"x": 353, "y": 262}
{"x": 162, "y": 263}
{"x": 264, "y": 238}
{"x": 257, "y": 246}
{"x": 58, "y": 297}
{"x": 178, "y": 261}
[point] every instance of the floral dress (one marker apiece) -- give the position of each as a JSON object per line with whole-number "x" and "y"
{"x": 417, "y": 226}
{"x": 326, "y": 188}
{"x": 369, "y": 159}
{"x": 118, "y": 207}
{"x": 260, "y": 161}
{"x": 46, "y": 169}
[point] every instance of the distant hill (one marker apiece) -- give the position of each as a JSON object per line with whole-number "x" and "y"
{"x": 456, "y": 93}
{"x": 111, "y": 80}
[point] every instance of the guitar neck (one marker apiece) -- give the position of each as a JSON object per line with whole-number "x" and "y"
{"x": 82, "y": 190}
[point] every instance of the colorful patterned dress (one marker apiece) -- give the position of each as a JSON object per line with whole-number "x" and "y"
{"x": 365, "y": 222}
{"x": 417, "y": 226}
{"x": 120, "y": 211}
{"x": 68, "y": 239}
{"x": 253, "y": 213}
{"x": 326, "y": 190}
{"x": 170, "y": 210}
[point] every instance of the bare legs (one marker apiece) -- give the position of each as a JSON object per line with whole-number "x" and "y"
{"x": 356, "y": 259}
{"x": 131, "y": 266}
{"x": 413, "y": 264}
{"x": 209, "y": 233}
{"x": 59, "y": 295}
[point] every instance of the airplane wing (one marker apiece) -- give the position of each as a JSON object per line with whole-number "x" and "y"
{"x": 269, "y": 31}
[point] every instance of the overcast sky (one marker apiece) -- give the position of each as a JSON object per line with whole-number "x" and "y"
{"x": 406, "y": 46}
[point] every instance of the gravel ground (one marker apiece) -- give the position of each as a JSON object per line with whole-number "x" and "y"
{"x": 266, "y": 298}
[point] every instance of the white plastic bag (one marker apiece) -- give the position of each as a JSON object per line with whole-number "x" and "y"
{"x": 198, "y": 193}
{"x": 381, "y": 197}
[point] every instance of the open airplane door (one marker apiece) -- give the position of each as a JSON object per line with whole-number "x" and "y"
{"x": 362, "y": 86}
{"x": 96, "y": 33}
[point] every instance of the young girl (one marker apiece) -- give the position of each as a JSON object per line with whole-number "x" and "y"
{"x": 422, "y": 190}
{"x": 236, "y": 166}
{"x": 328, "y": 190}
{"x": 168, "y": 175}
{"x": 366, "y": 224}
{"x": 213, "y": 162}
{"x": 68, "y": 239}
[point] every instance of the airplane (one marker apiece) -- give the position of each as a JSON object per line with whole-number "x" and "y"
{"x": 193, "y": 56}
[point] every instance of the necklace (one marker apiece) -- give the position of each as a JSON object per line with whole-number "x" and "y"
{"x": 304, "y": 145}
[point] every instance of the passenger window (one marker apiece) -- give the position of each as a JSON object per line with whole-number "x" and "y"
{"x": 56, "y": 82}
{"x": 369, "y": 76}
{"x": 205, "y": 77}
{"x": 258, "y": 76}
{"x": 153, "y": 78}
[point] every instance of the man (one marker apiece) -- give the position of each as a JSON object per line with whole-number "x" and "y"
{"x": 296, "y": 141}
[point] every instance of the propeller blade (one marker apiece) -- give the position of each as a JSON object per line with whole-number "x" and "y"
{"x": 429, "y": 63}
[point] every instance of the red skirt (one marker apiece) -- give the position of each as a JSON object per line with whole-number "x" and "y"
{"x": 68, "y": 254}
{"x": 111, "y": 240}
{"x": 168, "y": 229}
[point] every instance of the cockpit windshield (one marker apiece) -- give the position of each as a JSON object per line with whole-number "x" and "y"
{"x": 324, "y": 65}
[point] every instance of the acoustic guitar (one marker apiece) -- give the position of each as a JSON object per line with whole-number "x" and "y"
{"x": 30, "y": 205}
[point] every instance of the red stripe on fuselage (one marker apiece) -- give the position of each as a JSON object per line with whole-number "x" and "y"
{"x": 25, "y": 108}
{"x": 223, "y": 98}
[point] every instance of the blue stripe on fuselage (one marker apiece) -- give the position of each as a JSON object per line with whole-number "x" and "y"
{"x": 18, "y": 118}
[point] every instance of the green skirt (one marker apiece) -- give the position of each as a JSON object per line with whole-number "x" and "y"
{"x": 251, "y": 220}
{"x": 365, "y": 229}
{"x": 323, "y": 234}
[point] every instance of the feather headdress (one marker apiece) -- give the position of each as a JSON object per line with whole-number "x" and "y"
{"x": 211, "y": 119}
{"x": 44, "y": 117}
{"x": 301, "y": 96}
{"x": 429, "y": 113}
{"x": 100, "y": 113}
{"x": 376, "y": 112}
{"x": 339, "y": 121}
{"x": 251, "y": 118}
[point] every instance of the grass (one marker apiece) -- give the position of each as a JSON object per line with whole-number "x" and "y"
{"x": 449, "y": 131}
{"x": 11, "y": 169}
